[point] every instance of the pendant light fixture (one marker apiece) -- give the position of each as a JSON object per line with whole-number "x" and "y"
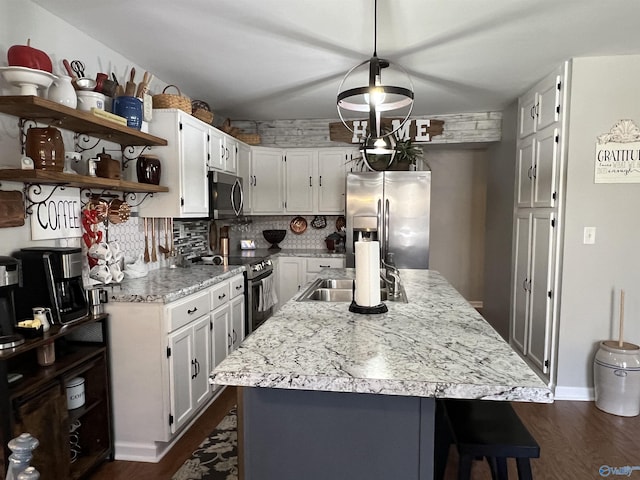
{"x": 378, "y": 88}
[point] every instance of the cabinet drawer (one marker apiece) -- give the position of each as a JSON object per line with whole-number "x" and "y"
{"x": 184, "y": 311}
{"x": 219, "y": 294}
{"x": 236, "y": 286}
{"x": 317, "y": 264}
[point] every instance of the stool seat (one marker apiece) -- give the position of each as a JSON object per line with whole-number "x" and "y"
{"x": 490, "y": 429}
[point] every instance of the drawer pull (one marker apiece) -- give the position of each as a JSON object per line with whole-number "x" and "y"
{"x": 325, "y": 266}
{"x": 220, "y": 297}
{"x": 195, "y": 309}
{"x": 238, "y": 287}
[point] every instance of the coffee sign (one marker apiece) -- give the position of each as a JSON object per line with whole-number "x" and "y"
{"x": 618, "y": 154}
{"x": 55, "y": 213}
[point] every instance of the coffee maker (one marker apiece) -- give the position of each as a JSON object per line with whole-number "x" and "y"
{"x": 8, "y": 283}
{"x": 51, "y": 277}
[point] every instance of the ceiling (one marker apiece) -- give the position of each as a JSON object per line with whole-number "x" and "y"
{"x": 284, "y": 59}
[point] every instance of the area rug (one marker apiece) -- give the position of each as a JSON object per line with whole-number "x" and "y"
{"x": 217, "y": 456}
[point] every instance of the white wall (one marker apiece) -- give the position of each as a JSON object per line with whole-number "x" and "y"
{"x": 603, "y": 91}
{"x": 20, "y": 20}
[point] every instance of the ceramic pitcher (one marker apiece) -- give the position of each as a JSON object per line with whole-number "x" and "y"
{"x": 62, "y": 91}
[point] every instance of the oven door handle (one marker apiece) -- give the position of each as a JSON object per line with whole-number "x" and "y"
{"x": 237, "y": 185}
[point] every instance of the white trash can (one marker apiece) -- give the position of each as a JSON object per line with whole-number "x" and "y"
{"x": 616, "y": 376}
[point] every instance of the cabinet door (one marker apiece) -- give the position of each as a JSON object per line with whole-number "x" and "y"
{"x": 331, "y": 181}
{"x": 520, "y": 286}
{"x": 216, "y": 153}
{"x": 539, "y": 334}
{"x": 244, "y": 171}
{"x": 220, "y": 334}
{"x": 45, "y": 416}
{"x": 193, "y": 166}
{"x": 267, "y": 192}
{"x": 237, "y": 321}
{"x": 181, "y": 373}
{"x": 527, "y": 114}
{"x": 299, "y": 180}
{"x": 231, "y": 155}
{"x": 548, "y": 102}
{"x": 291, "y": 274}
{"x": 524, "y": 173}
{"x": 545, "y": 168}
{"x": 202, "y": 358}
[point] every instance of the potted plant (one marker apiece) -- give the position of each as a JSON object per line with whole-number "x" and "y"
{"x": 407, "y": 153}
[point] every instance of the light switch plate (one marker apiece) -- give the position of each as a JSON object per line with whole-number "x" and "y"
{"x": 589, "y": 235}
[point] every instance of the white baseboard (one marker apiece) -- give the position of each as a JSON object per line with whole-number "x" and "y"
{"x": 580, "y": 394}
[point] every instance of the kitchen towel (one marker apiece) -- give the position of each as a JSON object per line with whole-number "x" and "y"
{"x": 267, "y": 296}
{"x": 367, "y": 292}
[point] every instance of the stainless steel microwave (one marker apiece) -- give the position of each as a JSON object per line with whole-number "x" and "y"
{"x": 225, "y": 195}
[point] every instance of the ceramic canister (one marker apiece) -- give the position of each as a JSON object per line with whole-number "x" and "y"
{"x": 616, "y": 376}
{"x": 46, "y": 148}
{"x": 129, "y": 108}
{"x": 75, "y": 393}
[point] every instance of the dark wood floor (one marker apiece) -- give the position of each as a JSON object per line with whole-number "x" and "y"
{"x": 576, "y": 439}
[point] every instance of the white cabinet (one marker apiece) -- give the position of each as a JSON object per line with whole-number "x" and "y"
{"x": 266, "y": 185}
{"x": 533, "y": 286}
{"x": 537, "y": 222}
{"x": 162, "y": 357}
{"x": 537, "y": 169}
{"x": 184, "y": 166}
{"x": 541, "y": 106}
{"x": 189, "y": 367}
{"x": 222, "y": 151}
{"x": 291, "y": 272}
{"x": 244, "y": 172}
{"x": 307, "y": 181}
{"x": 295, "y": 272}
{"x": 316, "y": 265}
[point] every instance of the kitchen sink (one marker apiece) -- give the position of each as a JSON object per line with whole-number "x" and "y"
{"x": 340, "y": 290}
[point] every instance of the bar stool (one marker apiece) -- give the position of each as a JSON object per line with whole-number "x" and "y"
{"x": 492, "y": 430}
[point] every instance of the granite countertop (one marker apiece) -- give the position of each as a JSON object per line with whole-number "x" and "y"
{"x": 287, "y": 252}
{"x": 437, "y": 345}
{"x": 166, "y": 285}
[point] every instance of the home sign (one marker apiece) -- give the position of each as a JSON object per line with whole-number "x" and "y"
{"x": 618, "y": 154}
{"x": 419, "y": 130}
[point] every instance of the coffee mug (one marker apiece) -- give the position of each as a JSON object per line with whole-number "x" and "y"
{"x": 115, "y": 248}
{"x": 101, "y": 273}
{"x": 116, "y": 273}
{"x": 101, "y": 251}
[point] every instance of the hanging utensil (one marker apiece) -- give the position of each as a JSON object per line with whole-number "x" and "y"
{"x": 165, "y": 249}
{"x": 154, "y": 254}
{"x": 146, "y": 243}
{"x": 173, "y": 250}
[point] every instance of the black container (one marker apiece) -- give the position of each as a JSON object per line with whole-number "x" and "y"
{"x": 148, "y": 169}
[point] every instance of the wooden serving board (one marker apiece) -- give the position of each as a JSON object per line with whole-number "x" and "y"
{"x": 11, "y": 209}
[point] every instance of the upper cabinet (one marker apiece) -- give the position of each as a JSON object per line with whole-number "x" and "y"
{"x": 307, "y": 181}
{"x": 540, "y": 107}
{"x": 223, "y": 152}
{"x": 184, "y": 166}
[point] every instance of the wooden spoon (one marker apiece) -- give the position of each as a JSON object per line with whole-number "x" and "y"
{"x": 154, "y": 254}
{"x": 163, "y": 249}
{"x": 146, "y": 243}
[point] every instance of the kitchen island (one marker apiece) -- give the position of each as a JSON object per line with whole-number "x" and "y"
{"x": 335, "y": 394}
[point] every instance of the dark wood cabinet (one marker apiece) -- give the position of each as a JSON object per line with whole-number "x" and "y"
{"x": 72, "y": 442}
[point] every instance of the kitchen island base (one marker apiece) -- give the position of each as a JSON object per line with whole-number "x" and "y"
{"x": 316, "y": 435}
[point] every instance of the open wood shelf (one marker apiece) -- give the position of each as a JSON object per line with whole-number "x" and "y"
{"x": 45, "y": 177}
{"x": 58, "y": 115}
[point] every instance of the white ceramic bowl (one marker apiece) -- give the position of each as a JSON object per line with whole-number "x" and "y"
{"x": 88, "y": 100}
{"x": 28, "y": 79}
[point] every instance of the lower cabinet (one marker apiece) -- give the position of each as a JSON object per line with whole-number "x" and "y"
{"x": 162, "y": 357}
{"x": 295, "y": 272}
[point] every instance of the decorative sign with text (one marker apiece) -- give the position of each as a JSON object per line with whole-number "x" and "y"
{"x": 58, "y": 214}
{"x": 419, "y": 130}
{"x": 618, "y": 154}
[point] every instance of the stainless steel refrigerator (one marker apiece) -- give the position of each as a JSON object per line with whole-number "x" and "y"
{"x": 394, "y": 209}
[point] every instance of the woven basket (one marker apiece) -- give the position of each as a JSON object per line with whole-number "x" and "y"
{"x": 202, "y": 111}
{"x": 249, "y": 138}
{"x": 169, "y": 100}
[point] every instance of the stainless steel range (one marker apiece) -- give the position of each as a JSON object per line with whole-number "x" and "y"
{"x": 259, "y": 283}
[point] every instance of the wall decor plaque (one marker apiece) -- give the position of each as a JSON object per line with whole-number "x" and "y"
{"x": 618, "y": 154}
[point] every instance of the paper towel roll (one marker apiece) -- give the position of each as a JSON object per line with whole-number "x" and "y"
{"x": 367, "y": 292}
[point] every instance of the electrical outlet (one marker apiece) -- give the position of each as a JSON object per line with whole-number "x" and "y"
{"x": 589, "y": 235}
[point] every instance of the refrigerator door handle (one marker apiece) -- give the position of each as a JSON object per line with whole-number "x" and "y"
{"x": 386, "y": 230}
{"x": 380, "y": 226}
